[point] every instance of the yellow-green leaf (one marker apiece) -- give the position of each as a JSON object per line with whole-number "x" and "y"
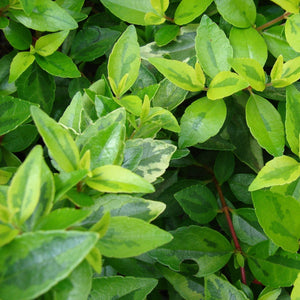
{"x": 288, "y": 5}
{"x": 19, "y": 64}
{"x": 276, "y": 71}
{"x": 160, "y": 5}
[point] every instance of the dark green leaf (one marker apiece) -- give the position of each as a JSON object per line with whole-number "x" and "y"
{"x": 224, "y": 166}
{"x": 166, "y": 34}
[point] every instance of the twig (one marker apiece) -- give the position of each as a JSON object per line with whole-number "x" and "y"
{"x": 272, "y": 22}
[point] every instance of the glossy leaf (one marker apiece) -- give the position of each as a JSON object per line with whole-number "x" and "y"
{"x": 117, "y": 286}
{"x": 59, "y": 142}
{"x": 280, "y": 221}
{"x": 58, "y": 64}
{"x": 19, "y": 64}
{"x": 124, "y": 62}
{"x": 212, "y": 47}
{"x": 251, "y": 71}
{"x": 45, "y": 16}
{"x": 265, "y": 124}
{"x": 200, "y": 121}
{"x": 166, "y": 34}
{"x": 128, "y": 237}
{"x": 276, "y": 71}
{"x": 211, "y": 252}
{"x": 253, "y": 45}
{"x": 292, "y": 122}
{"x": 13, "y": 112}
{"x": 131, "y": 103}
{"x": 225, "y": 84}
{"x": 278, "y": 171}
{"x": 241, "y": 13}
{"x": 115, "y": 179}
{"x": 198, "y": 202}
{"x": 19, "y": 275}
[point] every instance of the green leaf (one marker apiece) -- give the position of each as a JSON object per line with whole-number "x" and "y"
{"x": 212, "y": 47}
{"x": 61, "y": 219}
{"x": 250, "y": 70}
{"x": 131, "y": 11}
{"x": 128, "y": 237}
{"x": 200, "y": 121}
{"x": 224, "y": 166}
{"x": 296, "y": 290}
{"x": 124, "y": 62}
{"x": 58, "y": 64}
{"x": 121, "y": 287}
{"x": 292, "y": 122}
{"x": 4, "y": 22}
{"x": 240, "y": 13}
{"x": 211, "y": 252}
{"x": 188, "y": 10}
{"x": 198, "y": 202}
{"x": 151, "y": 160}
{"x": 217, "y": 288}
{"x": 277, "y": 44}
{"x": 253, "y": 45}
{"x": 166, "y": 34}
{"x": 277, "y": 270}
{"x": 48, "y": 44}
{"x": 19, "y": 64}
{"x": 179, "y": 73}
{"x": 28, "y": 6}
{"x": 59, "y": 142}
{"x": 94, "y": 258}
{"x": 160, "y": 5}
{"x": 153, "y": 19}
{"x": 292, "y": 31}
{"x": 288, "y": 5}
{"x": 278, "y": 171}
{"x": 115, "y": 179}
{"x": 187, "y": 287}
{"x": 5, "y": 87}
{"x": 7, "y": 234}
{"x": 24, "y": 191}
{"x": 280, "y": 221}
{"x": 13, "y": 112}
{"x": 131, "y": 103}
{"x": 276, "y": 71}
{"x": 76, "y": 286}
{"x": 92, "y": 42}
{"x": 37, "y": 86}
{"x": 18, "y": 35}
{"x": 47, "y": 258}
{"x": 265, "y": 124}
{"x": 224, "y": 84}
{"x": 46, "y": 15}
{"x": 269, "y": 293}
{"x": 247, "y": 227}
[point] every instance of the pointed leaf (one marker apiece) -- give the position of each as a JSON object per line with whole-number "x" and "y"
{"x": 277, "y": 68}
{"x": 166, "y": 34}
{"x": 19, "y": 64}
{"x": 28, "y": 6}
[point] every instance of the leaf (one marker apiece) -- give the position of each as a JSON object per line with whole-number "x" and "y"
{"x": 131, "y": 103}
{"x": 120, "y": 287}
{"x": 153, "y": 160}
{"x": 127, "y": 237}
{"x": 5, "y": 87}
{"x": 153, "y": 19}
{"x": 131, "y": 11}
{"x": 198, "y": 202}
{"x": 211, "y": 252}
{"x": 4, "y": 22}
{"x": 59, "y": 142}
{"x": 265, "y": 124}
{"x": 280, "y": 221}
{"x": 188, "y": 10}
{"x": 47, "y": 258}
{"x": 46, "y": 15}
{"x": 18, "y": 35}
{"x": 200, "y": 121}
{"x": 250, "y": 70}
{"x": 13, "y": 112}
{"x": 37, "y": 86}
{"x": 224, "y": 166}
{"x": 48, "y": 44}
{"x": 187, "y": 287}
{"x": 277, "y": 270}
{"x": 253, "y": 46}
{"x": 288, "y": 5}
{"x": 7, "y": 234}
{"x": 124, "y": 205}
{"x": 124, "y": 62}
{"x": 115, "y": 179}
{"x": 58, "y": 64}
{"x": 179, "y": 73}
{"x": 160, "y": 5}
{"x": 166, "y": 34}
{"x": 239, "y": 184}
{"x": 277, "y": 68}
{"x": 296, "y": 290}
{"x": 19, "y": 64}
{"x": 269, "y": 293}
{"x": 92, "y": 42}
{"x": 292, "y": 122}
{"x": 217, "y": 288}
{"x": 278, "y": 171}
{"x": 292, "y": 30}
{"x": 94, "y": 258}
{"x": 241, "y": 14}
{"x": 212, "y": 47}
{"x": 247, "y": 227}
{"x": 224, "y": 84}
{"x": 28, "y": 6}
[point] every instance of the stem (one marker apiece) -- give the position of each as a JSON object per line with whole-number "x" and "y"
{"x": 274, "y": 21}
{"x": 169, "y": 19}
{"x": 1, "y": 138}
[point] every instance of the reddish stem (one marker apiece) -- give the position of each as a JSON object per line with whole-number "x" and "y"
{"x": 274, "y": 21}
{"x": 169, "y": 19}
{"x": 1, "y": 138}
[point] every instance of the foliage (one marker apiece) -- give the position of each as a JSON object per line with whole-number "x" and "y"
{"x": 149, "y": 149}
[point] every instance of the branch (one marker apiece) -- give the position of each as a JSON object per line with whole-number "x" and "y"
{"x": 274, "y": 21}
